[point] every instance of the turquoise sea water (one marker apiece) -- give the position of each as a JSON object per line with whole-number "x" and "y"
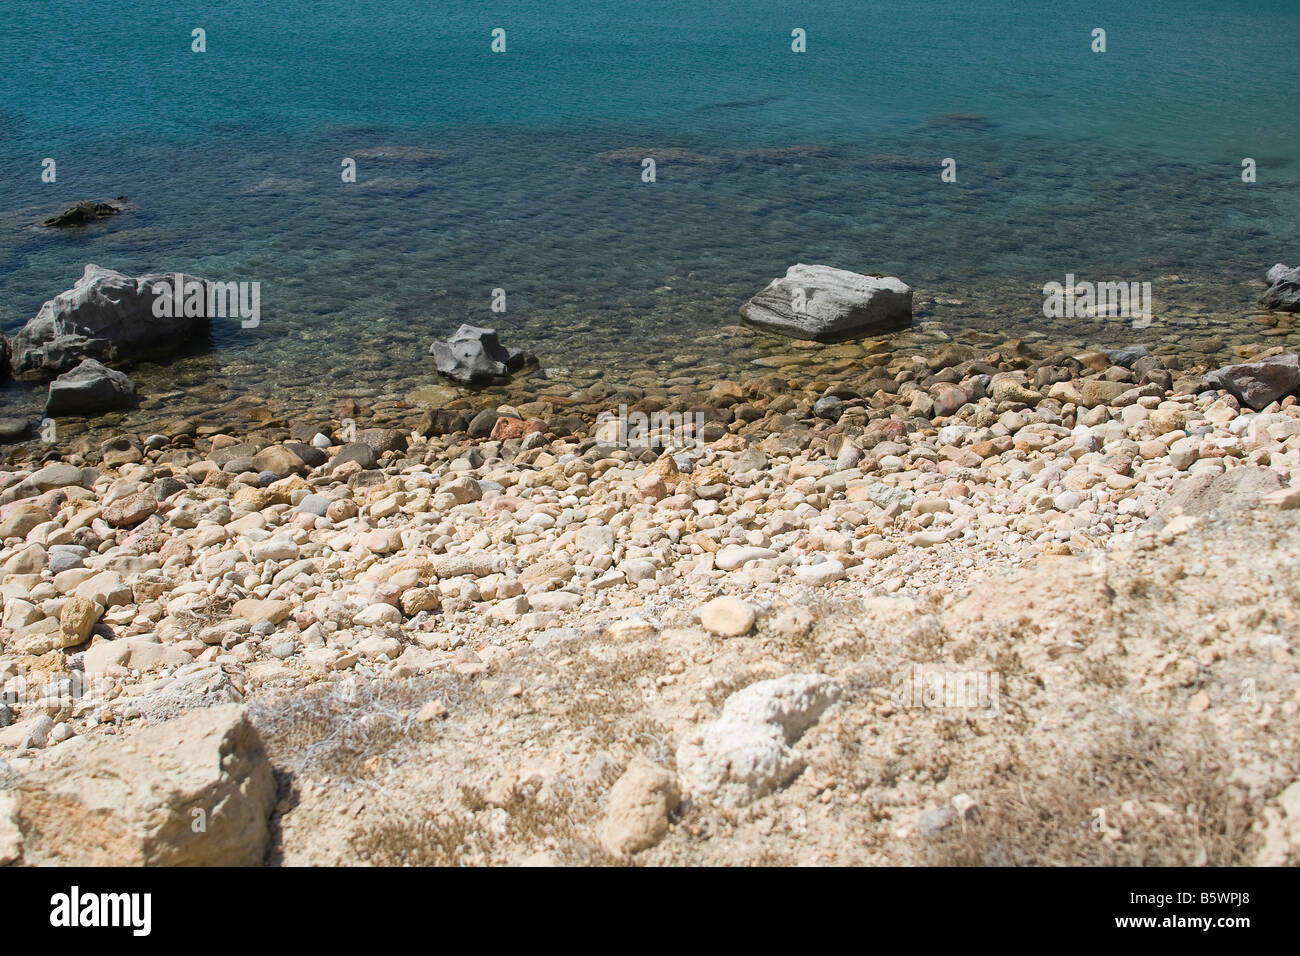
{"x": 1124, "y": 164}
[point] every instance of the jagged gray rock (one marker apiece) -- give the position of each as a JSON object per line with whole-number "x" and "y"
{"x": 106, "y": 315}
{"x": 474, "y": 356}
{"x": 78, "y": 214}
{"x": 1283, "y": 293}
{"x": 826, "y": 304}
{"x": 90, "y": 388}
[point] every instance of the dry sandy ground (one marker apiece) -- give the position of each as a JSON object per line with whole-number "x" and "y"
{"x": 1140, "y": 708}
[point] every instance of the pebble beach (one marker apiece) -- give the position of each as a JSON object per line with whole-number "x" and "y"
{"x": 153, "y": 575}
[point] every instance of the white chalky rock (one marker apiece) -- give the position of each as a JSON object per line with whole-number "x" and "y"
{"x": 727, "y": 617}
{"x": 819, "y": 574}
{"x": 31, "y": 733}
{"x": 746, "y": 753}
{"x": 734, "y": 555}
{"x": 133, "y": 801}
{"x": 279, "y": 548}
{"x": 632, "y": 629}
{"x": 378, "y": 614}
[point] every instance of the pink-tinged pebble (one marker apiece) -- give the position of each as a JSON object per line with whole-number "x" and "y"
{"x": 676, "y": 502}
{"x": 6, "y": 511}
{"x": 52, "y": 500}
{"x": 958, "y": 490}
{"x": 382, "y": 542}
{"x": 507, "y": 428}
{"x": 652, "y": 487}
{"x": 388, "y": 593}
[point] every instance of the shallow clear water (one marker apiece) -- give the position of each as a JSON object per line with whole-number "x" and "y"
{"x": 1123, "y": 165}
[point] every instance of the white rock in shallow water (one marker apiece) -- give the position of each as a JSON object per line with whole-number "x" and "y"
{"x": 90, "y": 388}
{"x": 727, "y": 617}
{"x": 821, "y": 302}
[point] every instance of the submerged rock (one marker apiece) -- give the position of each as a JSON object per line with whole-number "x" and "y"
{"x": 90, "y": 388}
{"x": 826, "y": 304}
{"x": 14, "y": 430}
{"x": 911, "y": 164}
{"x": 78, "y": 214}
{"x": 411, "y": 154}
{"x": 474, "y": 356}
{"x": 105, "y": 315}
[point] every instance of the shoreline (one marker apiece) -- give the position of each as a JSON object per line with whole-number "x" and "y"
{"x": 193, "y": 383}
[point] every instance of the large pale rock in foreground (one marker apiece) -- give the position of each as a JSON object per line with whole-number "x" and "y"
{"x": 196, "y": 791}
{"x": 106, "y": 315}
{"x": 746, "y": 753}
{"x": 818, "y": 302}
